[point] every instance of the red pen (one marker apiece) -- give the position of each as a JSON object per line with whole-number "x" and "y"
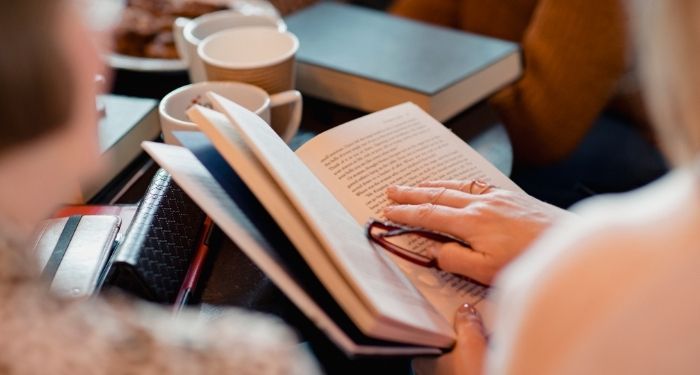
{"x": 192, "y": 276}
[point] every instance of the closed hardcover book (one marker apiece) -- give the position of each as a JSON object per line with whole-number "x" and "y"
{"x": 370, "y": 60}
{"x": 126, "y": 123}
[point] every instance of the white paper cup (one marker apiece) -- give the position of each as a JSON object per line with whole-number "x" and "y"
{"x": 189, "y": 33}
{"x": 261, "y": 56}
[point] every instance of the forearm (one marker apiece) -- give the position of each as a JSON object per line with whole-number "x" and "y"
{"x": 441, "y": 12}
{"x": 574, "y": 55}
{"x": 286, "y": 7}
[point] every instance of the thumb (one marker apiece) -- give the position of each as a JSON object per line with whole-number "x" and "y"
{"x": 469, "y": 327}
{"x": 455, "y": 258}
{"x": 467, "y": 357}
{"x": 471, "y": 340}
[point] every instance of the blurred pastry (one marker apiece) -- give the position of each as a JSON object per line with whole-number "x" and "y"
{"x": 145, "y": 28}
{"x": 162, "y": 47}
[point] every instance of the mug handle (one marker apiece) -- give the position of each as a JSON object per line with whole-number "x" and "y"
{"x": 179, "y": 36}
{"x": 286, "y": 98}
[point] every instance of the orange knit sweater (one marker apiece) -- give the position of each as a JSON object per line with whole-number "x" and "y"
{"x": 575, "y": 56}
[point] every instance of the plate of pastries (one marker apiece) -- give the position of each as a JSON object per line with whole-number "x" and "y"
{"x": 143, "y": 38}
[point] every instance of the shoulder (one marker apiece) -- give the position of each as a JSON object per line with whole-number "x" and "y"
{"x": 586, "y": 273}
{"x": 616, "y": 227}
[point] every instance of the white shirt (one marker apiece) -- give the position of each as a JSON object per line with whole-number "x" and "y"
{"x": 616, "y": 292}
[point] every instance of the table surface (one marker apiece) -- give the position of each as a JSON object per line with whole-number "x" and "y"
{"x": 231, "y": 279}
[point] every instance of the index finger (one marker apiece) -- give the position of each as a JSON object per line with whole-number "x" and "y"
{"x": 429, "y": 216}
{"x": 471, "y": 186}
{"x": 418, "y": 195}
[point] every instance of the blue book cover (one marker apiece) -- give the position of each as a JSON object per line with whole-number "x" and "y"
{"x": 393, "y": 50}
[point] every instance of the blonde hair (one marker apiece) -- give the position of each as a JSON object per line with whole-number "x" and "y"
{"x": 668, "y": 36}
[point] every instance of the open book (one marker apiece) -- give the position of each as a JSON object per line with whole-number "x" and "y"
{"x": 314, "y": 205}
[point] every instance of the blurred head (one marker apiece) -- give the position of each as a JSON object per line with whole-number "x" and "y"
{"x": 668, "y": 36}
{"x": 48, "y": 126}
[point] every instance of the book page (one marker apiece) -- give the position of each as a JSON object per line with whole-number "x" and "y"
{"x": 358, "y": 160}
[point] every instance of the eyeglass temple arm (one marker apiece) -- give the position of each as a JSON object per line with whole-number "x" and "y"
{"x": 396, "y": 230}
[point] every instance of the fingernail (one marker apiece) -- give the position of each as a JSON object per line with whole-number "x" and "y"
{"x": 388, "y": 209}
{"x": 392, "y": 189}
{"x": 434, "y": 251}
{"x": 468, "y": 312}
{"x": 467, "y": 319}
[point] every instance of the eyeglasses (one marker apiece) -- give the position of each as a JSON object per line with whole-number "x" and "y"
{"x": 380, "y": 231}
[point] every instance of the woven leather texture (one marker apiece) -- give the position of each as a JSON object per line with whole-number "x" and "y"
{"x": 158, "y": 248}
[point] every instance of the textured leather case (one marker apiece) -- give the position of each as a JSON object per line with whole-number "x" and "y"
{"x": 154, "y": 257}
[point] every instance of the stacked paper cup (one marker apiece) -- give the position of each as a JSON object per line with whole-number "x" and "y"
{"x": 261, "y": 56}
{"x": 189, "y": 34}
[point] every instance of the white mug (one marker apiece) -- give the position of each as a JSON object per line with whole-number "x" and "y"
{"x": 173, "y": 107}
{"x": 189, "y": 33}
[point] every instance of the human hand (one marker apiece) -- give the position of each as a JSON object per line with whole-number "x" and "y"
{"x": 497, "y": 223}
{"x": 467, "y": 357}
